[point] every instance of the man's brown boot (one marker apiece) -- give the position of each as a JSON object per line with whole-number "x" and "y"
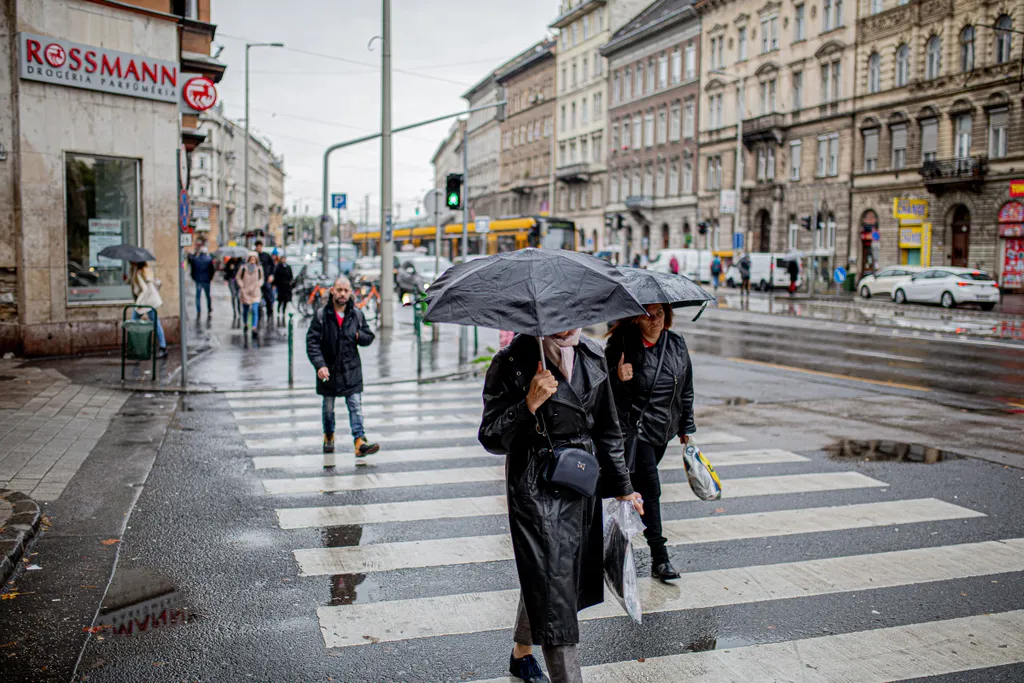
{"x": 364, "y": 449}
{"x": 328, "y": 443}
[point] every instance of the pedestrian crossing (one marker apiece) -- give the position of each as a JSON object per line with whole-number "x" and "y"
{"x": 433, "y": 501}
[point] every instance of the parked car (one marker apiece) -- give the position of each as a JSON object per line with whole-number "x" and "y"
{"x": 949, "y": 287}
{"x": 768, "y": 271}
{"x": 883, "y": 281}
{"x": 689, "y": 260}
{"x": 367, "y": 268}
{"x": 417, "y": 271}
{"x": 732, "y": 276}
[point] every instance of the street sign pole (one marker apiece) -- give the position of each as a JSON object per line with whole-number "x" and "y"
{"x": 433, "y": 199}
{"x": 182, "y": 223}
{"x": 463, "y": 330}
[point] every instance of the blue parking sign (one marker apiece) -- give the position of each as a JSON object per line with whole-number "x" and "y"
{"x": 839, "y": 275}
{"x": 339, "y": 201}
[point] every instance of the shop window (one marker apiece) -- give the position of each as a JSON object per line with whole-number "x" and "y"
{"x": 102, "y": 209}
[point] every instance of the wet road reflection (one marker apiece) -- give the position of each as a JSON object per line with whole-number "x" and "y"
{"x": 888, "y": 451}
{"x": 141, "y": 600}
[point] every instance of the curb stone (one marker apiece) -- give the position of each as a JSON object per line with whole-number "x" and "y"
{"x": 18, "y": 532}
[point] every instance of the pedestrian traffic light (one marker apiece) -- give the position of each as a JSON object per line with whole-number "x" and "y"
{"x": 453, "y": 191}
{"x": 806, "y": 221}
{"x": 702, "y": 227}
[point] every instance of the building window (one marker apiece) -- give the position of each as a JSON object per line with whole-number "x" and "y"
{"x": 929, "y": 140}
{"x": 871, "y": 150}
{"x": 1004, "y": 39}
{"x": 874, "y": 73}
{"x": 826, "y": 16}
{"x": 771, "y": 162}
{"x": 795, "y": 149}
{"x": 673, "y": 179}
{"x": 586, "y": 28}
{"x": 575, "y": 35}
{"x": 598, "y": 67}
{"x": 876, "y": 6}
{"x": 963, "y": 135}
{"x": 613, "y": 187}
{"x": 798, "y": 90}
{"x": 565, "y": 80}
{"x": 584, "y": 149}
{"x": 688, "y": 118}
{"x": 662, "y": 126}
{"x": 718, "y": 52}
{"x": 663, "y": 71}
{"x": 659, "y": 187}
{"x": 626, "y": 128}
{"x": 572, "y": 191}
{"x": 799, "y": 32}
{"x": 742, "y": 48}
{"x": 572, "y": 116}
{"x": 674, "y": 123}
{"x": 649, "y": 128}
{"x": 548, "y": 125}
{"x": 561, "y": 154}
{"x": 898, "y": 134}
{"x": 833, "y": 154}
{"x": 639, "y": 80}
{"x": 691, "y": 62}
{"x": 677, "y": 66}
{"x": 598, "y": 146}
{"x": 768, "y": 97}
{"x": 820, "y": 168}
{"x": 715, "y": 111}
{"x": 597, "y": 105}
{"x": 837, "y": 81}
{"x": 761, "y": 163}
{"x": 649, "y": 182}
{"x": 615, "y": 135}
{"x": 584, "y": 112}
{"x": 102, "y": 209}
{"x": 837, "y": 17}
{"x": 769, "y": 33}
{"x": 627, "y": 85}
{"x": 616, "y": 88}
{"x": 714, "y": 173}
{"x": 586, "y": 69}
{"x": 998, "y": 125}
{"x": 575, "y": 81}
{"x": 638, "y": 138}
{"x": 650, "y": 76}
{"x": 902, "y": 66}
{"x": 572, "y": 152}
{"x": 794, "y": 230}
{"x": 635, "y": 189}
{"x": 967, "y": 49}
{"x": 687, "y": 178}
{"x": 933, "y": 65}
{"x": 563, "y": 126}
{"x": 826, "y": 82}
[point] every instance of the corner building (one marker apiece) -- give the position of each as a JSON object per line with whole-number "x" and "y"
{"x": 787, "y": 68}
{"x": 939, "y": 129}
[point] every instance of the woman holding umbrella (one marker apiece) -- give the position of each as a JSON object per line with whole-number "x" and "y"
{"x": 653, "y": 388}
{"x": 250, "y": 291}
{"x": 145, "y": 289}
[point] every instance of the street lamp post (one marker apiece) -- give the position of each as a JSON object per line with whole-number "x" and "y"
{"x": 248, "y": 46}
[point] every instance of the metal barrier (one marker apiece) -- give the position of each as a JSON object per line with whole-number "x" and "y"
{"x": 291, "y": 350}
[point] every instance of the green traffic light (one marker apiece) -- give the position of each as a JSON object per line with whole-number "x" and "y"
{"x": 453, "y": 199}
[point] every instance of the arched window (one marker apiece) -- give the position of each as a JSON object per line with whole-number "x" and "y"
{"x": 874, "y": 73}
{"x": 967, "y": 49}
{"x": 902, "y": 66}
{"x": 933, "y": 65}
{"x": 1004, "y": 39}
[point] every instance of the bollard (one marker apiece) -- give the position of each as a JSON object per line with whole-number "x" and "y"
{"x": 419, "y": 340}
{"x": 476, "y": 341}
{"x": 291, "y": 350}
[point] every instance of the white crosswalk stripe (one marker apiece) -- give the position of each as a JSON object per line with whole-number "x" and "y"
{"x": 435, "y": 453}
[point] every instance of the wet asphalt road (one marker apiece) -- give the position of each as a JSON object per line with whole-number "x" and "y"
{"x": 203, "y": 535}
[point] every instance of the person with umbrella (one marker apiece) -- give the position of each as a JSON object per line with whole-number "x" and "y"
{"x": 146, "y": 290}
{"x": 546, "y": 391}
{"x": 250, "y": 291}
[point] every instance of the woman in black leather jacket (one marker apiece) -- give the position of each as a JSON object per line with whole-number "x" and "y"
{"x": 556, "y": 532}
{"x": 665, "y": 405}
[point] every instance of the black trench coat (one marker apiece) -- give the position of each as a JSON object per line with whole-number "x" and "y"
{"x": 337, "y": 348}
{"x": 556, "y": 533}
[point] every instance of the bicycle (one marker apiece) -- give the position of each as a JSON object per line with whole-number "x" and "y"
{"x": 310, "y": 298}
{"x": 367, "y": 299}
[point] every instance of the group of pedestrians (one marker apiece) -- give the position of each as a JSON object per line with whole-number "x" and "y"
{"x": 624, "y": 405}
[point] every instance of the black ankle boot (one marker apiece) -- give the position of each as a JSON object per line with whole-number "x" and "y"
{"x": 664, "y": 571}
{"x": 526, "y": 668}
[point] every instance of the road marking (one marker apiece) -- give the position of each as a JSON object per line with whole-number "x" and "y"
{"x": 398, "y": 410}
{"x": 914, "y": 651}
{"x": 394, "y": 620}
{"x": 288, "y": 442}
{"x": 895, "y": 385}
{"x": 312, "y": 400}
{"x": 429, "y": 454}
{"x": 880, "y": 354}
{"x": 422, "y": 421}
{"x": 408, "y": 388}
{"x": 363, "y": 481}
{"x": 419, "y": 510}
{"x": 476, "y": 549}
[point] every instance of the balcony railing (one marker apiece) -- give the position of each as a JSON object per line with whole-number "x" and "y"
{"x": 766, "y": 127}
{"x": 637, "y": 202}
{"x": 957, "y": 173}
{"x": 574, "y": 173}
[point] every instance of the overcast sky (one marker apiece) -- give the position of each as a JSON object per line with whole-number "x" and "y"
{"x": 304, "y": 102}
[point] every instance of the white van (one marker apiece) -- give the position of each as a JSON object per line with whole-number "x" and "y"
{"x": 768, "y": 271}
{"x": 689, "y": 259}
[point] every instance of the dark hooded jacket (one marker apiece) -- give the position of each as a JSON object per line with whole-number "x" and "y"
{"x": 556, "y": 533}
{"x": 336, "y": 348}
{"x": 670, "y": 412}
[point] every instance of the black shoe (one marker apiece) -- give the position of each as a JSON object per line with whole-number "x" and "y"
{"x": 162, "y": 353}
{"x": 664, "y": 572}
{"x": 527, "y": 669}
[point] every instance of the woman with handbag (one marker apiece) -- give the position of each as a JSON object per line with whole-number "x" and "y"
{"x": 250, "y": 280}
{"x": 555, "y": 426}
{"x": 653, "y": 389}
{"x": 146, "y": 290}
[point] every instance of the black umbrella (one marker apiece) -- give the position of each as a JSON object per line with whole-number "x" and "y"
{"x": 652, "y": 287}
{"x": 127, "y": 252}
{"x": 532, "y": 291}
{"x": 231, "y": 252}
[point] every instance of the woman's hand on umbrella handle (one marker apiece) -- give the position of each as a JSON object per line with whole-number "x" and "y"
{"x": 636, "y": 500}
{"x": 542, "y": 387}
{"x": 625, "y": 369}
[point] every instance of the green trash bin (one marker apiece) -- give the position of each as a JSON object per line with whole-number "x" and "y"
{"x": 138, "y": 339}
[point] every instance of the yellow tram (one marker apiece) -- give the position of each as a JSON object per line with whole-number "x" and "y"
{"x": 505, "y": 234}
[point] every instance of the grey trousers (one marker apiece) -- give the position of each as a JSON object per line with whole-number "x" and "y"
{"x": 563, "y": 660}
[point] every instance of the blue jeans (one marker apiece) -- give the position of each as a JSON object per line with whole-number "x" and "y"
{"x": 255, "y": 308}
{"x": 161, "y": 341}
{"x": 200, "y": 288}
{"x": 354, "y": 403}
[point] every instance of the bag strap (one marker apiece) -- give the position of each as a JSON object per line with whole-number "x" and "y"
{"x": 657, "y": 372}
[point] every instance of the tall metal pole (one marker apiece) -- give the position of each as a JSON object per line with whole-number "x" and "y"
{"x": 245, "y": 162}
{"x": 736, "y": 225}
{"x": 182, "y": 316}
{"x": 387, "y": 247}
{"x": 463, "y": 330}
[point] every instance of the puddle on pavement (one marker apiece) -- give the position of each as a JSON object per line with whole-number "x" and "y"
{"x": 887, "y": 451}
{"x": 141, "y": 600}
{"x": 738, "y": 401}
{"x": 348, "y": 589}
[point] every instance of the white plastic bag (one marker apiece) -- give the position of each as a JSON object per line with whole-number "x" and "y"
{"x": 702, "y": 476}
{"x": 621, "y": 524}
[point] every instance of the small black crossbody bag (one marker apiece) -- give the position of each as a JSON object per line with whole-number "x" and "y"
{"x": 572, "y": 468}
{"x": 630, "y": 441}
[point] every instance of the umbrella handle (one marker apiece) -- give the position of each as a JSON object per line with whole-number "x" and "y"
{"x": 543, "y": 360}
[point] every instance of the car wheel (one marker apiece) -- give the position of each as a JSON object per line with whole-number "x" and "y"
{"x": 947, "y": 300}
{"x": 987, "y": 307}
{"x": 730, "y": 283}
{"x": 865, "y": 293}
{"x": 763, "y": 286}
{"x": 900, "y": 296}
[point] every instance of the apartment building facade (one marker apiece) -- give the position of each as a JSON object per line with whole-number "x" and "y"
{"x": 483, "y": 147}
{"x": 528, "y": 131}
{"x": 786, "y": 68}
{"x": 939, "y": 136}
{"x": 653, "y": 116}
{"x": 581, "y": 121}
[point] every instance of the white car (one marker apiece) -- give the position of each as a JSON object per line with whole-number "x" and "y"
{"x": 884, "y": 281}
{"x": 949, "y": 287}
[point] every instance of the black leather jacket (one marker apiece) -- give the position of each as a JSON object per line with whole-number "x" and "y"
{"x": 670, "y": 413}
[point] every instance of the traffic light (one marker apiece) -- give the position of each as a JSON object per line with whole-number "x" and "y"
{"x": 607, "y": 221}
{"x": 620, "y": 222}
{"x": 702, "y": 227}
{"x": 453, "y": 191}
{"x": 806, "y": 222}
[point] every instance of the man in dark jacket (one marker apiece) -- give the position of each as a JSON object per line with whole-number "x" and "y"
{"x": 334, "y": 334}
{"x": 268, "y": 265}
{"x": 283, "y": 280}
{"x": 203, "y": 268}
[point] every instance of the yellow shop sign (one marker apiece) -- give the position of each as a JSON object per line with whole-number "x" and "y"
{"x": 909, "y": 208}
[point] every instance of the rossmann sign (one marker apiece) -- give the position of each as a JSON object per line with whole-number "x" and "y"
{"x": 51, "y": 60}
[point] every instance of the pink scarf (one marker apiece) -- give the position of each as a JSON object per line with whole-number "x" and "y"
{"x": 562, "y": 352}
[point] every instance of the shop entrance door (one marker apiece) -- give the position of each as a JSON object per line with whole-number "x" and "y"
{"x": 961, "y": 238}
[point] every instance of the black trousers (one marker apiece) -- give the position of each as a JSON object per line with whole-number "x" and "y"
{"x": 646, "y": 482}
